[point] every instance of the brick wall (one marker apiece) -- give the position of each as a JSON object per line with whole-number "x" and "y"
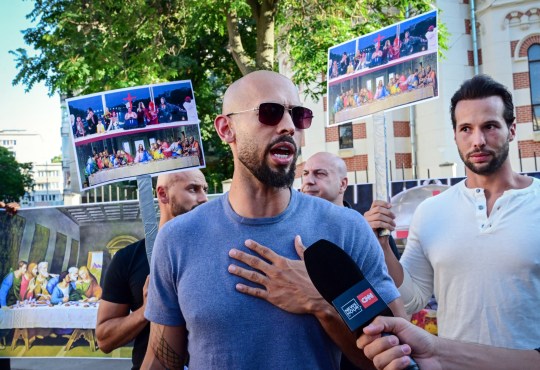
{"x": 468, "y": 26}
{"x": 404, "y": 159}
{"x": 524, "y": 114}
{"x": 299, "y": 170}
{"x": 357, "y": 163}
{"x": 402, "y": 129}
{"x": 513, "y": 45}
{"x": 528, "y": 148}
{"x": 470, "y": 57}
{"x": 359, "y": 130}
{"x": 331, "y": 134}
{"x": 521, "y": 80}
{"x": 527, "y": 43}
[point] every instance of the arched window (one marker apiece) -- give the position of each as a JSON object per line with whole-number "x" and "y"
{"x": 534, "y": 78}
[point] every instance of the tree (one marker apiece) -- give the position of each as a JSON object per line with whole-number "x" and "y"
{"x": 17, "y": 177}
{"x": 89, "y": 46}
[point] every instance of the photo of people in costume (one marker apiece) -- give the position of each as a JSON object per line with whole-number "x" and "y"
{"x": 121, "y": 134}
{"x": 138, "y": 108}
{"x": 52, "y": 266}
{"x": 392, "y": 67}
{"x": 150, "y": 152}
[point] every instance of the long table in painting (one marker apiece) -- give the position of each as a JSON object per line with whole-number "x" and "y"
{"x": 79, "y": 316}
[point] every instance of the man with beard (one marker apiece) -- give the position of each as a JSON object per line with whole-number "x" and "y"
{"x": 194, "y": 284}
{"x": 121, "y": 309}
{"x": 476, "y": 245}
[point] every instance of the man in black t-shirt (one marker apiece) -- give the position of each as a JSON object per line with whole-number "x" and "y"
{"x": 121, "y": 309}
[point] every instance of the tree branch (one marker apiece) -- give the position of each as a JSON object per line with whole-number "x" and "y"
{"x": 241, "y": 58}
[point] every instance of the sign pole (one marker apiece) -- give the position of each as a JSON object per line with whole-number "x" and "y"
{"x": 148, "y": 212}
{"x": 382, "y": 183}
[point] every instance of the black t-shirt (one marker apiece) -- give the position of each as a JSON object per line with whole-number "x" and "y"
{"x": 124, "y": 282}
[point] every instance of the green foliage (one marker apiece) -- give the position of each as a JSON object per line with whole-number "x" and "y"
{"x": 16, "y": 177}
{"x": 309, "y": 28}
{"x": 88, "y": 46}
{"x": 56, "y": 159}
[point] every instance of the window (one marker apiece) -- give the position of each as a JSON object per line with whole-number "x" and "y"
{"x": 534, "y": 78}
{"x": 346, "y": 136}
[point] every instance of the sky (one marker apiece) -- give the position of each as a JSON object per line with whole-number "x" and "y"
{"x": 34, "y": 111}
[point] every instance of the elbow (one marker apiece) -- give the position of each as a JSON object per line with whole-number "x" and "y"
{"x": 101, "y": 339}
{"x": 104, "y": 346}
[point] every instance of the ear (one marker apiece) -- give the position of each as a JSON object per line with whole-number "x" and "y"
{"x": 224, "y": 128}
{"x": 343, "y": 185}
{"x": 512, "y": 132}
{"x": 161, "y": 194}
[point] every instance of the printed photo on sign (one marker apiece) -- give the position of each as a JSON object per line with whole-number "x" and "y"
{"x": 107, "y": 129}
{"x": 52, "y": 263}
{"x": 390, "y": 68}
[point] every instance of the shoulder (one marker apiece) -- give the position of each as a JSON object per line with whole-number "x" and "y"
{"x": 130, "y": 250}
{"x": 318, "y": 207}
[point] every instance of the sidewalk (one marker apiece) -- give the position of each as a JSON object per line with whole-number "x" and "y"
{"x": 69, "y": 364}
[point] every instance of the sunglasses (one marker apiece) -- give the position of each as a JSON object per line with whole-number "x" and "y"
{"x": 271, "y": 114}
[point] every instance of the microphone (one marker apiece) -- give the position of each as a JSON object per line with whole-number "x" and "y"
{"x": 341, "y": 283}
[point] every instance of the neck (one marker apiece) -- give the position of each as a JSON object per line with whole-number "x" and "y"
{"x": 249, "y": 198}
{"x": 498, "y": 182}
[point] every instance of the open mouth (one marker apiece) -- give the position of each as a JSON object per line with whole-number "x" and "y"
{"x": 283, "y": 151}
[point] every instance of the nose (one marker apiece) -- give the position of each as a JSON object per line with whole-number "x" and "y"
{"x": 479, "y": 139}
{"x": 202, "y": 197}
{"x": 286, "y": 125}
{"x": 308, "y": 179}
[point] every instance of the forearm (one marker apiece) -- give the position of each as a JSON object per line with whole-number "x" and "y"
{"x": 394, "y": 267}
{"x": 167, "y": 348}
{"x": 340, "y": 334}
{"x": 458, "y": 355}
{"x": 118, "y": 331}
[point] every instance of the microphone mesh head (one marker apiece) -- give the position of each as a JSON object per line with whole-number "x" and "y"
{"x": 331, "y": 269}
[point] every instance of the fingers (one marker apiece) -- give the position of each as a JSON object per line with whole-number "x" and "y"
{"x": 250, "y": 260}
{"x": 263, "y": 251}
{"x": 380, "y": 216}
{"x": 381, "y": 203}
{"x": 299, "y": 246}
{"x": 145, "y": 287}
{"x": 387, "y": 355}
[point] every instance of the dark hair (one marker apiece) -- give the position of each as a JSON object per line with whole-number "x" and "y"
{"x": 22, "y": 263}
{"x": 62, "y": 276}
{"x": 480, "y": 87}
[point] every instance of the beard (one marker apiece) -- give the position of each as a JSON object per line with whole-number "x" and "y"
{"x": 497, "y": 159}
{"x": 283, "y": 177}
{"x": 178, "y": 209}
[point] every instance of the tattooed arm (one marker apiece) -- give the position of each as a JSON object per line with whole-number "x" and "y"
{"x": 167, "y": 348}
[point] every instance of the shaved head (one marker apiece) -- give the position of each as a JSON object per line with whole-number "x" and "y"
{"x": 253, "y": 88}
{"x": 180, "y": 192}
{"x": 330, "y": 160}
{"x": 325, "y": 176}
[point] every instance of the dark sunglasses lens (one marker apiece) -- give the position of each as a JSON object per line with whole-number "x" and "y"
{"x": 302, "y": 117}
{"x": 271, "y": 113}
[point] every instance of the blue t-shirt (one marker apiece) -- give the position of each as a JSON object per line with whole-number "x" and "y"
{"x": 190, "y": 284}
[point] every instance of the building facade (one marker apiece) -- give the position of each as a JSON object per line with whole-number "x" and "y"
{"x": 420, "y": 138}
{"x": 48, "y": 177}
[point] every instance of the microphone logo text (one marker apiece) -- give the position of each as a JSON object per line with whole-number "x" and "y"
{"x": 367, "y": 298}
{"x": 351, "y": 309}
